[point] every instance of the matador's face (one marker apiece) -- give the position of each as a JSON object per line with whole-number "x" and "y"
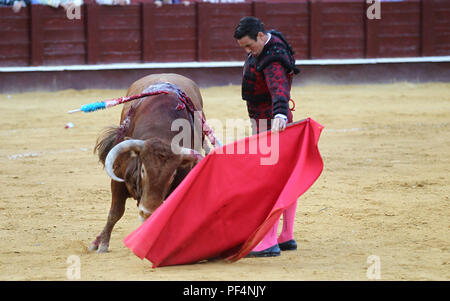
{"x": 254, "y": 47}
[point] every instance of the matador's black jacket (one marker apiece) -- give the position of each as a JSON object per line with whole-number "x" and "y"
{"x": 267, "y": 79}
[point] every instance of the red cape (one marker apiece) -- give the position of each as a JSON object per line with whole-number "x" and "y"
{"x": 229, "y": 201}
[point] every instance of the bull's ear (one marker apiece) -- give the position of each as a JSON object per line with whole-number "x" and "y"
{"x": 188, "y": 161}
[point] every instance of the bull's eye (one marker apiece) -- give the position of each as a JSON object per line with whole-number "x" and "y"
{"x": 142, "y": 171}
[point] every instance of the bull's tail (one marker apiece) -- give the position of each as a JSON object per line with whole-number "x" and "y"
{"x": 105, "y": 142}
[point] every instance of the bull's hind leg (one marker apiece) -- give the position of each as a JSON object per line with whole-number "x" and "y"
{"x": 119, "y": 197}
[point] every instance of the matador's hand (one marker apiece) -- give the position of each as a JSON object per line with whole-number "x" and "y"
{"x": 279, "y": 123}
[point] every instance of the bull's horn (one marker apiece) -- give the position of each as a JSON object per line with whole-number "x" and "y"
{"x": 189, "y": 151}
{"x": 120, "y": 148}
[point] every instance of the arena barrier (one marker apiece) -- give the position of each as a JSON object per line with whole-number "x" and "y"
{"x": 197, "y": 40}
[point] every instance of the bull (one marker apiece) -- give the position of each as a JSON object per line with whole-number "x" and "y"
{"x": 144, "y": 165}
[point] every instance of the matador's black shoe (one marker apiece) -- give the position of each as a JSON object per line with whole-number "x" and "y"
{"x": 288, "y": 245}
{"x": 269, "y": 252}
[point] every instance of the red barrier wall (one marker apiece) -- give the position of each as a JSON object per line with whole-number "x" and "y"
{"x": 142, "y": 32}
{"x": 15, "y": 37}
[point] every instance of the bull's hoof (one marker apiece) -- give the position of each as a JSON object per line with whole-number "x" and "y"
{"x": 102, "y": 249}
{"x": 93, "y": 247}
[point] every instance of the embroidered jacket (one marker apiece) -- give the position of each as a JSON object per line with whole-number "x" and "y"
{"x": 268, "y": 77}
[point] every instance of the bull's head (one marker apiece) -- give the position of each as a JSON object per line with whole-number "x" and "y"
{"x": 155, "y": 172}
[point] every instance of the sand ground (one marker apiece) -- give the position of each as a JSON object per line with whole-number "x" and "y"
{"x": 384, "y": 190}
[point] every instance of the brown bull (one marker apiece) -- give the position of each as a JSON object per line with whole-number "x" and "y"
{"x": 144, "y": 166}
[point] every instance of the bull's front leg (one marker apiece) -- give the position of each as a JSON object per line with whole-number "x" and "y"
{"x": 119, "y": 197}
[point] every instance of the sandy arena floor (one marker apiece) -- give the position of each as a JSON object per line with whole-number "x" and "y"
{"x": 384, "y": 190}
